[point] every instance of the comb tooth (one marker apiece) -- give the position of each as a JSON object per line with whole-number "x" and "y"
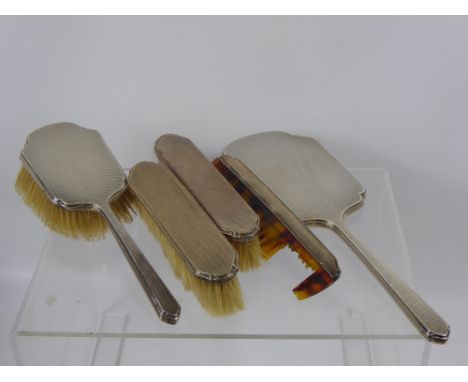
{"x": 303, "y": 255}
{"x": 303, "y": 261}
{"x": 271, "y": 237}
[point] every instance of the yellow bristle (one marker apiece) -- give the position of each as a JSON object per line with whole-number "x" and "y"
{"x": 123, "y": 206}
{"x": 250, "y": 253}
{"x": 89, "y": 225}
{"x": 218, "y": 299}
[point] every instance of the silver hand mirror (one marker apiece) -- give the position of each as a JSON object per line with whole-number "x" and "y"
{"x": 77, "y": 171}
{"x": 318, "y": 189}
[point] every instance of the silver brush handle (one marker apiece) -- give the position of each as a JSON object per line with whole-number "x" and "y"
{"x": 427, "y": 321}
{"x": 166, "y": 306}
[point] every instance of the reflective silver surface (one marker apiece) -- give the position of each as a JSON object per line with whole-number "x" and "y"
{"x": 317, "y": 188}
{"x": 301, "y": 173}
{"x": 214, "y": 193}
{"x": 185, "y": 224}
{"x": 78, "y": 172}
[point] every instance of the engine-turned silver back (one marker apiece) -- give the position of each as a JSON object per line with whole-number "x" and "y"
{"x": 224, "y": 205}
{"x": 73, "y": 165}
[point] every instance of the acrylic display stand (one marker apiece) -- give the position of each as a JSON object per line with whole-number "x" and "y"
{"x": 85, "y": 307}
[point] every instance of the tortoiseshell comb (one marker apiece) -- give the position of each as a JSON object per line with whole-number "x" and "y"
{"x": 279, "y": 228}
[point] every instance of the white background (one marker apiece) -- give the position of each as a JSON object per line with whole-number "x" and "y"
{"x": 388, "y": 92}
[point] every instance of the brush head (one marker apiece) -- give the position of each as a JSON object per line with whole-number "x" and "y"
{"x": 217, "y": 298}
{"x": 73, "y": 166}
{"x": 199, "y": 253}
{"x": 67, "y": 174}
{"x": 203, "y": 247}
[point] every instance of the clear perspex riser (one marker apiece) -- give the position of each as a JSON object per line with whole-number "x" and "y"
{"x": 85, "y": 307}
